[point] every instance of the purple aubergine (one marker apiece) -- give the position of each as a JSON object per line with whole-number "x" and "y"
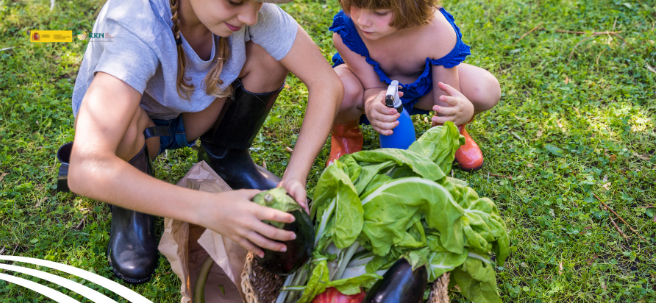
{"x": 298, "y": 251}
{"x": 400, "y": 284}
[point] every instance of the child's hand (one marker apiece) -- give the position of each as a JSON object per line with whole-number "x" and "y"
{"x": 382, "y": 118}
{"x": 233, "y": 215}
{"x": 460, "y": 111}
{"x": 297, "y": 190}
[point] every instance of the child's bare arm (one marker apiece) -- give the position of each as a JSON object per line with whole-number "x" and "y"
{"x": 358, "y": 65}
{"x": 382, "y": 119}
{"x": 104, "y": 122}
{"x": 325, "y": 92}
{"x": 450, "y": 103}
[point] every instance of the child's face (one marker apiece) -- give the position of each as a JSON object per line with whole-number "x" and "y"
{"x": 374, "y": 24}
{"x": 223, "y": 17}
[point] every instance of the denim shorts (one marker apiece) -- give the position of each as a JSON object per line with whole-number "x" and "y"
{"x": 178, "y": 136}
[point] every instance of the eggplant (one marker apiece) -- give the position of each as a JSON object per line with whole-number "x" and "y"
{"x": 400, "y": 284}
{"x": 298, "y": 251}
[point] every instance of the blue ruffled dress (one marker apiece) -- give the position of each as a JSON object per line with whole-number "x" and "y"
{"x": 343, "y": 25}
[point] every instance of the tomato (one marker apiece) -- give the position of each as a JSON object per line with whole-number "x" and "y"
{"x": 332, "y": 295}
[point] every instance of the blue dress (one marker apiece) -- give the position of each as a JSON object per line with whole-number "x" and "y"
{"x": 343, "y": 26}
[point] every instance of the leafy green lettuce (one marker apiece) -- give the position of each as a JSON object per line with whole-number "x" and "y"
{"x": 476, "y": 280}
{"x": 374, "y": 207}
{"x": 317, "y": 282}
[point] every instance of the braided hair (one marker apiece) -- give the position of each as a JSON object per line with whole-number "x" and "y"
{"x": 212, "y": 80}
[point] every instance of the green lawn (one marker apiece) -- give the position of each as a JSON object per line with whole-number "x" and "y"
{"x": 576, "y": 119}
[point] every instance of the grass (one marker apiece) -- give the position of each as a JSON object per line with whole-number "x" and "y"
{"x": 576, "y": 120}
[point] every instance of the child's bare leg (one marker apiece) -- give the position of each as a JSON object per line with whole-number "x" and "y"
{"x": 483, "y": 91}
{"x": 133, "y": 139}
{"x": 352, "y": 106}
{"x": 477, "y": 84}
{"x": 225, "y": 146}
{"x": 346, "y": 137}
{"x": 261, "y": 74}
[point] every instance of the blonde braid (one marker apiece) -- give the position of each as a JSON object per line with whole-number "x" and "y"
{"x": 212, "y": 80}
{"x": 184, "y": 88}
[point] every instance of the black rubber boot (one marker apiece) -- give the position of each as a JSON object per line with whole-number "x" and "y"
{"x": 225, "y": 147}
{"x": 132, "y": 249}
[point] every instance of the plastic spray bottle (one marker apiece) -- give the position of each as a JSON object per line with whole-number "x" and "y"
{"x": 404, "y": 133}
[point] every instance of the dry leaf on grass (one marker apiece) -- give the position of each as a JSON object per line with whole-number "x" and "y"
{"x": 635, "y": 154}
{"x": 606, "y": 186}
{"x": 3, "y": 176}
{"x": 38, "y": 203}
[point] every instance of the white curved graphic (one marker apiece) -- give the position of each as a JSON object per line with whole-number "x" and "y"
{"x": 78, "y": 288}
{"x": 46, "y": 291}
{"x": 91, "y": 277}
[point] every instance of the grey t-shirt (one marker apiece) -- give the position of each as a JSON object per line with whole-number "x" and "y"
{"x": 143, "y": 54}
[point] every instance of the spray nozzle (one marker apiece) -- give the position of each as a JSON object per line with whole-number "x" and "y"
{"x": 392, "y": 98}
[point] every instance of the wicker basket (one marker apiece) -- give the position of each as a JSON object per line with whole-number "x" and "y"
{"x": 260, "y": 286}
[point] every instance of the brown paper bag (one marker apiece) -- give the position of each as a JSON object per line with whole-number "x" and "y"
{"x": 187, "y": 246}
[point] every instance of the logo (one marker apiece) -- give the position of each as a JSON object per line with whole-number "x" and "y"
{"x": 50, "y": 36}
{"x": 98, "y": 37}
{"x": 57, "y": 296}
{"x": 82, "y": 36}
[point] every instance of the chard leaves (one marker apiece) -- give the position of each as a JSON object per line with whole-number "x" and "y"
{"x": 336, "y": 192}
{"x": 441, "y": 262}
{"x": 394, "y": 207}
{"x": 351, "y": 286}
{"x": 439, "y": 144}
{"x": 477, "y": 281}
{"x": 400, "y": 204}
{"x": 317, "y": 282}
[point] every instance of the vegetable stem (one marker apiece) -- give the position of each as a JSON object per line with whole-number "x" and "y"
{"x": 293, "y": 288}
{"x": 347, "y": 258}
{"x": 324, "y": 220}
{"x": 199, "y": 288}
{"x": 283, "y": 294}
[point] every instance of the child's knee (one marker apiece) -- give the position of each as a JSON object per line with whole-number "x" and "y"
{"x": 353, "y": 90}
{"x": 265, "y": 73}
{"x": 487, "y": 94}
{"x": 133, "y": 139}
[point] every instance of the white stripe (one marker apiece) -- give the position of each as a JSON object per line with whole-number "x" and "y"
{"x": 46, "y": 291}
{"x": 405, "y": 180}
{"x": 477, "y": 256}
{"x": 324, "y": 220}
{"x": 480, "y": 212}
{"x": 78, "y": 288}
{"x": 91, "y": 277}
{"x": 441, "y": 266}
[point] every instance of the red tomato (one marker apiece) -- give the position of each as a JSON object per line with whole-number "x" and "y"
{"x": 332, "y": 295}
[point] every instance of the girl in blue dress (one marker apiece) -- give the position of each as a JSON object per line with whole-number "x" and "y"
{"x": 418, "y": 43}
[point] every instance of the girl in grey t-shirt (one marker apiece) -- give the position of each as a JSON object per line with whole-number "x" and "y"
{"x": 175, "y": 71}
